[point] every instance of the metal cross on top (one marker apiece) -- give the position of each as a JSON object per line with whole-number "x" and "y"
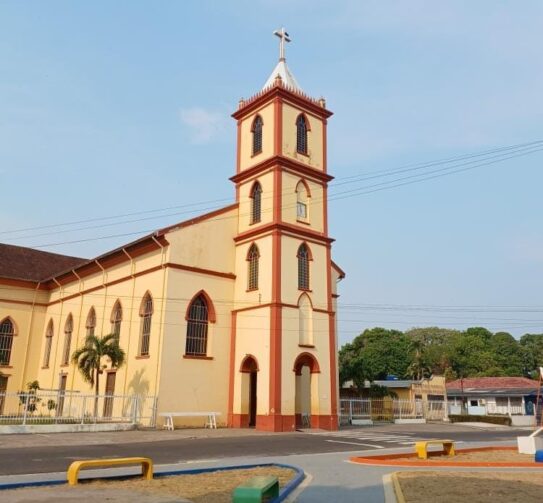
{"x": 283, "y": 35}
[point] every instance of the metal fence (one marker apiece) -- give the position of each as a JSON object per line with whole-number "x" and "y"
{"x": 388, "y": 410}
{"x": 74, "y": 408}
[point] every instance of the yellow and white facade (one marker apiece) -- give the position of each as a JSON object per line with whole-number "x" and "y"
{"x": 233, "y": 311}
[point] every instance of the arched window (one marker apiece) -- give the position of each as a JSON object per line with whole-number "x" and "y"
{"x": 146, "y": 313}
{"x": 7, "y": 331}
{"x": 116, "y": 318}
{"x": 91, "y": 322}
{"x": 301, "y": 134}
{"x": 48, "y": 343}
{"x": 252, "y": 275}
{"x": 303, "y": 267}
{"x": 256, "y": 208}
{"x": 257, "y": 135}
{"x": 197, "y": 324}
{"x": 305, "y": 321}
{"x": 68, "y": 330}
{"x": 302, "y": 200}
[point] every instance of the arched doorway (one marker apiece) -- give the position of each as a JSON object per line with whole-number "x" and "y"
{"x": 249, "y": 368}
{"x": 306, "y": 405}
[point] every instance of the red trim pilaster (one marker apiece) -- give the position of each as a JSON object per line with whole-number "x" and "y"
{"x": 231, "y": 376}
{"x": 332, "y": 339}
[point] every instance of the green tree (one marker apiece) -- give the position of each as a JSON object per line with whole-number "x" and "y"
{"x": 436, "y": 347}
{"x": 418, "y": 368}
{"x": 89, "y": 359}
{"x": 471, "y": 355}
{"x": 532, "y": 353}
{"x": 374, "y": 354}
{"x": 508, "y": 355}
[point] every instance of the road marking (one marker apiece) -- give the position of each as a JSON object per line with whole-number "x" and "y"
{"x": 356, "y": 443}
{"x": 193, "y": 461}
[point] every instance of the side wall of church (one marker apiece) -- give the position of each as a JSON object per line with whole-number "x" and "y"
{"x": 197, "y": 383}
{"x": 25, "y": 307}
{"x": 126, "y": 283}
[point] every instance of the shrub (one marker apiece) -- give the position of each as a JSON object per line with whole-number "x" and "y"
{"x": 465, "y": 418}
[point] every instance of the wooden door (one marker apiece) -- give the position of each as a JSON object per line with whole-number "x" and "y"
{"x": 252, "y": 399}
{"x": 3, "y": 388}
{"x": 61, "y": 393}
{"x": 110, "y": 391}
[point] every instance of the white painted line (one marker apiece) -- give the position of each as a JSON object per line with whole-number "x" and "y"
{"x": 356, "y": 443}
{"x": 193, "y": 461}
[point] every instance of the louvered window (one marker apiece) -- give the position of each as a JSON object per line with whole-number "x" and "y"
{"x": 197, "y": 326}
{"x": 256, "y": 208}
{"x": 301, "y": 135}
{"x": 48, "y": 344}
{"x": 146, "y": 314}
{"x": 116, "y": 319}
{"x": 257, "y": 135}
{"x": 91, "y": 322}
{"x": 303, "y": 267}
{"x": 68, "y": 330}
{"x": 7, "y": 332}
{"x": 252, "y": 258}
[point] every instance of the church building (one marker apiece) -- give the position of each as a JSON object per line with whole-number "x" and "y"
{"x": 233, "y": 311}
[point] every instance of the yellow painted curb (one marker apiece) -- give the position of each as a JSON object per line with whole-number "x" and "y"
{"x": 400, "y": 498}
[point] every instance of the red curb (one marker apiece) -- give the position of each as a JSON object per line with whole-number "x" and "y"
{"x": 399, "y": 460}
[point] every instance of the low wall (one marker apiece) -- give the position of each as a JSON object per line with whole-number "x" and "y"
{"x": 522, "y": 421}
{"x": 64, "y": 428}
{"x": 410, "y": 421}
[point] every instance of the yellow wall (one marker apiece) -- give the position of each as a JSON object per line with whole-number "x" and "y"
{"x": 27, "y": 319}
{"x": 245, "y": 202}
{"x": 253, "y": 337}
{"x": 314, "y": 203}
{"x": 315, "y": 157}
{"x": 244, "y": 298}
{"x": 247, "y": 159}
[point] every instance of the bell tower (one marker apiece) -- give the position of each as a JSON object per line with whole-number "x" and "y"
{"x": 283, "y": 359}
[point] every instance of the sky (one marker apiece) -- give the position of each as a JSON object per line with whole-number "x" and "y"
{"x": 115, "y": 108}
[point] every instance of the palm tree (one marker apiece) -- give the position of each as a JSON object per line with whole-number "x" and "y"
{"x": 89, "y": 359}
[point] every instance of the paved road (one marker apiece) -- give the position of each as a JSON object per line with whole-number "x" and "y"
{"x": 51, "y": 458}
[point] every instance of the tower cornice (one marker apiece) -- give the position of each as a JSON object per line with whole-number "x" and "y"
{"x": 288, "y": 94}
{"x": 286, "y": 229}
{"x": 279, "y": 161}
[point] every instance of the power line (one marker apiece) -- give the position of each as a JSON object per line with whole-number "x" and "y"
{"x": 350, "y": 180}
{"x": 345, "y": 194}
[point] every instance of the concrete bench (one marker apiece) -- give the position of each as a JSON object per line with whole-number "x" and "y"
{"x": 73, "y": 470}
{"x": 211, "y": 418}
{"x": 421, "y": 447}
{"x": 256, "y": 489}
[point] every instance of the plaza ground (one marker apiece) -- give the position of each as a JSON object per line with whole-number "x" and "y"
{"x": 323, "y": 455}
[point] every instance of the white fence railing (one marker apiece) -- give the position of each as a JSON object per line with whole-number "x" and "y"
{"x": 372, "y": 409}
{"x": 74, "y": 408}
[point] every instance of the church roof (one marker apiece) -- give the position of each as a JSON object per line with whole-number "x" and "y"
{"x": 283, "y": 71}
{"x": 19, "y": 262}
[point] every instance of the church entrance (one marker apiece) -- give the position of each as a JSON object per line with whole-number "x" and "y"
{"x": 252, "y": 399}
{"x": 249, "y": 382}
{"x": 306, "y": 369}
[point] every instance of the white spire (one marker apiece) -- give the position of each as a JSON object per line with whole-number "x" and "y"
{"x": 281, "y": 68}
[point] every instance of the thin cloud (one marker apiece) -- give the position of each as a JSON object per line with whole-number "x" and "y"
{"x": 204, "y": 126}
